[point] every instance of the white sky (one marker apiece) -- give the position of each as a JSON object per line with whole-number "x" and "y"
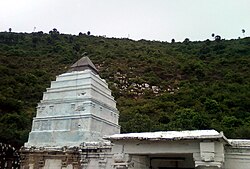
{"x": 137, "y": 19}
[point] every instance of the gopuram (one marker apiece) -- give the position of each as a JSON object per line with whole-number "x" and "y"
{"x": 76, "y": 127}
{"x": 73, "y": 116}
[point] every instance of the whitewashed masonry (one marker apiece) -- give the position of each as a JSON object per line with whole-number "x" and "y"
{"x": 201, "y": 149}
{"x": 77, "y": 108}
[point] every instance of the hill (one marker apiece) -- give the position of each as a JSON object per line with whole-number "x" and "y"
{"x": 157, "y": 85}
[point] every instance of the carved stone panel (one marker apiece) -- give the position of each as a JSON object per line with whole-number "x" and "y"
{"x": 60, "y": 124}
{"x": 36, "y": 125}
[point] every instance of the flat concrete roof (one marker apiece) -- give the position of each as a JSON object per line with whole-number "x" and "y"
{"x": 239, "y": 142}
{"x": 169, "y": 135}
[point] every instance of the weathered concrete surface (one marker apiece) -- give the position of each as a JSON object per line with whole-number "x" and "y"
{"x": 92, "y": 155}
{"x": 202, "y": 149}
{"x": 237, "y": 155}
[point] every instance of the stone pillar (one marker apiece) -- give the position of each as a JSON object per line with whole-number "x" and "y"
{"x": 211, "y": 155}
{"x": 122, "y": 161}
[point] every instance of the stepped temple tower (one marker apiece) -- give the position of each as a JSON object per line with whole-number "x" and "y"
{"x": 78, "y": 107}
{"x": 77, "y": 110}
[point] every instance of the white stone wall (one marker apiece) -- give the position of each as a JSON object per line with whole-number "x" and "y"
{"x": 176, "y": 153}
{"x": 157, "y": 147}
{"x": 237, "y": 157}
{"x": 201, "y": 154}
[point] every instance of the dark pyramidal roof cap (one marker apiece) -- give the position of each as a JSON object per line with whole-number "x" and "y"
{"x": 83, "y": 64}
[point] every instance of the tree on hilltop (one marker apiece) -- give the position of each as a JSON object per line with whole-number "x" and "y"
{"x": 213, "y": 35}
{"x": 217, "y": 38}
{"x": 243, "y": 31}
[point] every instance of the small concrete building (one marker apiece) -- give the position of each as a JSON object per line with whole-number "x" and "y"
{"x": 76, "y": 127}
{"x": 202, "y": 149}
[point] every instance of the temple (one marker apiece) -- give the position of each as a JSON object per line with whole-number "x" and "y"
{"x": 77, "y": 108}
{"x": 76, "y": 112}
{"x": 76, "y": 126}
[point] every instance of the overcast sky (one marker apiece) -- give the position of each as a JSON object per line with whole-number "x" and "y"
{"x": 137, "y": 19}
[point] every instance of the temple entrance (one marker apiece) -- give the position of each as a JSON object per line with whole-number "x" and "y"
{"x": 172, "y": 161}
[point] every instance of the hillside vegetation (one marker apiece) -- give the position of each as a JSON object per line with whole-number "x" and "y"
{"x": 157, "y": 85}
